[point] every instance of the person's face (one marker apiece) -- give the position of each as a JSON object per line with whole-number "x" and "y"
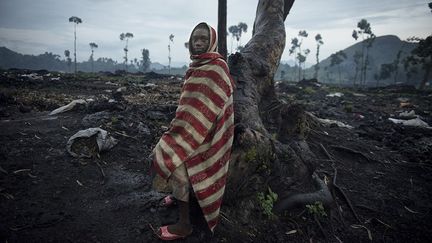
{"x": 200, "y": 41}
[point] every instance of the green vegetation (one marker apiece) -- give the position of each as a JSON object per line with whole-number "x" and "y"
{"x": 316, "y": 209}
{"x": 266, "y": 201}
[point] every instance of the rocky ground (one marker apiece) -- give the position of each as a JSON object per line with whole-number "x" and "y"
{"x": 382, "y": 170}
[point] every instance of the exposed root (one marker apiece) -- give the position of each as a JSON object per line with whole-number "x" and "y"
{"x": 323, "y": 195}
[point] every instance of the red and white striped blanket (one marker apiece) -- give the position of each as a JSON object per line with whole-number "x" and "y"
{"x": 201, "y": 134}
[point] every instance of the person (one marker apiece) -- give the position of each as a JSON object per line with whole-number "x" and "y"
{"x": 193, "y": 155}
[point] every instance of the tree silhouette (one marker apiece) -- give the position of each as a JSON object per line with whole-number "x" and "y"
{"x": 335, "y": 60}
{"x": 171, "y": 40}
{"x": 126, "y": 36}
{"x": 92, "y": 47}
{"x": 145, "y": 59}
{"x": 68, "y": 59}
{"x": 233, "y": 30}
{"x": 365, "y": 31}
{"x": 76, "y": 21}
{"x": 296, "y": 44}
{"x": 319, "y": 42}
{"x": 236, "y": 32}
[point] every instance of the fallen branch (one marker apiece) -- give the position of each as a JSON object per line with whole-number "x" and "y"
{"x": 101, "y": 170}
{"x": 353, "y": 152}
{"x": 345, "y": 196}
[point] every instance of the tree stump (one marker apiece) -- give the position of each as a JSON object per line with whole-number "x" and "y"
{"x": 269, "y": 148}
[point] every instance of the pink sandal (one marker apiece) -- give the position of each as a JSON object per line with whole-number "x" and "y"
{"x": 166, "y": 235}
{"x": 167, "y": 201}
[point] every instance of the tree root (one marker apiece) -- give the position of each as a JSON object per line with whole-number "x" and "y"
{"x": 323, "y": 195}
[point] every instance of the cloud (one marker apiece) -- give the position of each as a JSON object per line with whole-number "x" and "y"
{"x": 43, "y": 25}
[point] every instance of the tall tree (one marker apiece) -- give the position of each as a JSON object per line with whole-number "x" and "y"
{"x": 319, "y": 42}
{"x": 335, "y": 60}
{"x": 365, "y": 31}
{"x": 222, "y": 25}
{"x": 296, "y": 44}
{"x": 233, "y": 30}
{"x": 145, "y": 59}
{"x": 293, "y": 51}
{"x": 236, "y": 32}
{"x": 92, "y": 47}
{"x": 76, "y": 21}
{"x": 170, "y": 41}
{"x": 125, "y": 37}
{"x": 68, "y": 59}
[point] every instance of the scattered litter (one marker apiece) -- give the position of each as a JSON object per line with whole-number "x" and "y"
{"x": 90, "y": 142}
{"x": 90, "y": 100}
{"x": 21, "y": 170}
{"x": 121, "y": 89}
{"x": 68, "y": 107}
{"x": 36, "y": 136}
{"x": 79, "y": 183}
{"x": 359, "y": 95}
{"x": 111, "y": 83}
{"x": 291, "y": 232}
{"x": 32, "y": 76}
{"x": 65, "y": 128}
{"x": 112, "y": 101}
{"x": 336, "y": 94}
{"x": 55, "y": 79}
{"x": 416, "y": 122}
{"x": 407, "y": 114}
{"x": 108, "y": 91}
{"x": 329, "y": 122}
{"x": 150, "y": 85}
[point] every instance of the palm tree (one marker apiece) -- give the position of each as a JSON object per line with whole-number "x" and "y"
{"x": 126, "y": 36}
{"x": 92, "y": 47}
{"x": 76, "y": 21}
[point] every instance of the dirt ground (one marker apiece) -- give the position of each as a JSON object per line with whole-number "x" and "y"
{"x": 383, "y": 171}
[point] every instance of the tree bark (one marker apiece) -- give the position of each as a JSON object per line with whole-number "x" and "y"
{"x": 222, "y": 27}
{"x": 269, "y": 141}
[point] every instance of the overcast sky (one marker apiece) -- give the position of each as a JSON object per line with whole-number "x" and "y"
{"x": 38, "y": 26}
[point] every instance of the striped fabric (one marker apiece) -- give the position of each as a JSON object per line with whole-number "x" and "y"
{"x": 201, "y": 134}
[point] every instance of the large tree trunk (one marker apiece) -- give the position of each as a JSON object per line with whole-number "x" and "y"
{"x": 269, "y": 146}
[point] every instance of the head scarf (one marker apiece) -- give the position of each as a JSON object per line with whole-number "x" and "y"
{"x": 213, "y": 44}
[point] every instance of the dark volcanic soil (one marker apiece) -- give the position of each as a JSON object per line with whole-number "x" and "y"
{"x": 46, "y": 195}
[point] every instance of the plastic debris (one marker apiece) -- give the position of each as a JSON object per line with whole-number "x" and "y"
{"x": 336, "y": 94}
{"x": 416, "y": 122}
{"x": 68, "y": 107}
{"x": 90, "y": 142}
{"x": 409, "y": 114}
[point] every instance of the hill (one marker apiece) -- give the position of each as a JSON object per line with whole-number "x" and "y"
{"x": 384, "y": 50}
